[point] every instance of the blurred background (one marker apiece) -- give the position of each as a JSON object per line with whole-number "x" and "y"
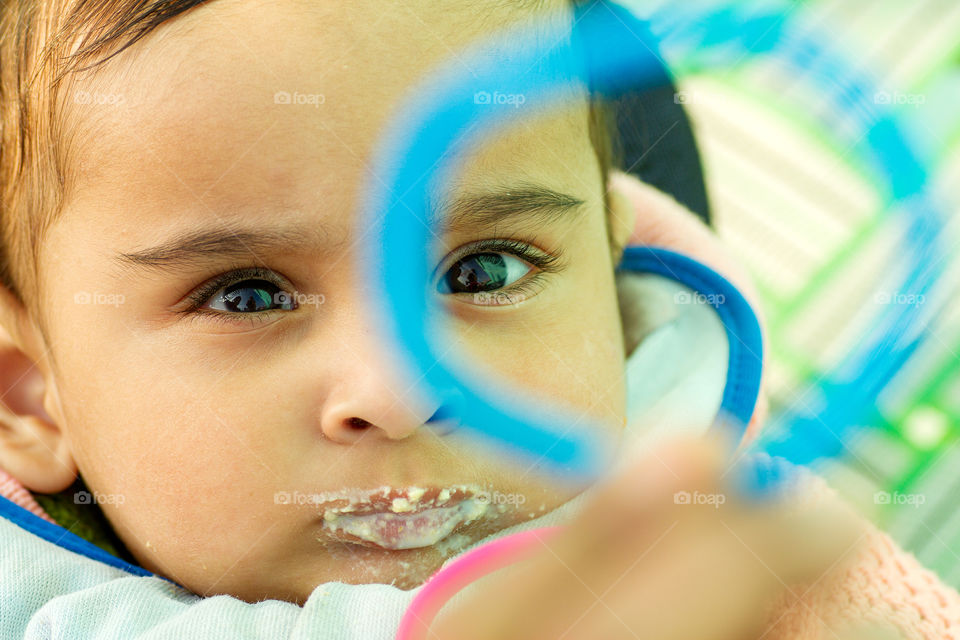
{"x": 808, "y": 221}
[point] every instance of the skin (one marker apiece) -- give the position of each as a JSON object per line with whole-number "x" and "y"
{"x": 194, "y": 425}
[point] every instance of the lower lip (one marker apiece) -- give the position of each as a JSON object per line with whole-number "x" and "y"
{"x": 389, "y": 530}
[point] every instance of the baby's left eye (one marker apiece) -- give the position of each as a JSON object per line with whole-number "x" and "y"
{"x": 480, "y": 272}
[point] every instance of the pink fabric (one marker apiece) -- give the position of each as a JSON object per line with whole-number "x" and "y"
{"x": 885, "y": 587}
{"x": 882, "y": 585}
{"x": 16, "y": 493}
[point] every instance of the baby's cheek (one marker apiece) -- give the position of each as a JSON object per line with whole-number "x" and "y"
{"x": 200, "y": 533}
{"x": 178, "y": 486}
{"x": 565, "y": 357}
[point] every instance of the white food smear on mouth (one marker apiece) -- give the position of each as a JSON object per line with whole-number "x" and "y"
{"x": 396, "y": 531}
{"x": 400, "y": 528}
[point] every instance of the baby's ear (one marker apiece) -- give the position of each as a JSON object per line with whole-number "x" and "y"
{"x": 33, "y": 448}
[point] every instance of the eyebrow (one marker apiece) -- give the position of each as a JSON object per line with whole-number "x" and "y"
{"x": 196, "y": 248}
{"x": 525, "y": 203}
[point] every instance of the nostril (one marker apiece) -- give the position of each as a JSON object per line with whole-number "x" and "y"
{"x": 357, "y": 423}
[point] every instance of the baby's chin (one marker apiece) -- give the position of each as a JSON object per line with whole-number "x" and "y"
{"x": 294, "y": 572}
{"x": 391, "y": 536}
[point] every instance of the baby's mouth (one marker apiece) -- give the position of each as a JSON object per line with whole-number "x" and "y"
{"x": 390, "y": 518}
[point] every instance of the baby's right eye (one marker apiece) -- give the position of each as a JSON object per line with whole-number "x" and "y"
{"x": 243, "y": 291}
{"x": 251, "y": 295}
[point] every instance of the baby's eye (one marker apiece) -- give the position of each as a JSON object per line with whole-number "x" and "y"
{"x": 250, "y": 295}
{"x": 480, "y": 272}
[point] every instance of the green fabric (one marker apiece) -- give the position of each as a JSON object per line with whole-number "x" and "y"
{"x": 84, "y": 519}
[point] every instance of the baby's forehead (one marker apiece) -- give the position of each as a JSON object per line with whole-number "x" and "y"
{"x": 309, "y": 42}
{"x": 240, "y": 99}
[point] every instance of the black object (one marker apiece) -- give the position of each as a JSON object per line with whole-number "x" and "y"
{"x": 656, "y": 145}
{"x": 652, "y": 137}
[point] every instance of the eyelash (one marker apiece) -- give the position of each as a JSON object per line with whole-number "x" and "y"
{"x": 528, "y": 286}
{"x": 202, "y": 294}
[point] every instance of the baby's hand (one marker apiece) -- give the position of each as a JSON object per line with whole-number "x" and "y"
{"x": 663, "y": 550}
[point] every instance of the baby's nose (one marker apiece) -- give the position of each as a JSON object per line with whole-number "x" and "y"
{"x": 372, "y": 399}
{"x": 353, "y": 428}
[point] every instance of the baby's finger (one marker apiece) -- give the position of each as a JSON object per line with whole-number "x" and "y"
{"x": 651, "y": 482}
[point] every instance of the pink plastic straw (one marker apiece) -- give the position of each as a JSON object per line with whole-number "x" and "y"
{"x": 472, "y": 566}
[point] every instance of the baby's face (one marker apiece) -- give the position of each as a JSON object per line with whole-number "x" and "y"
{"x": 205, "y": 421}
